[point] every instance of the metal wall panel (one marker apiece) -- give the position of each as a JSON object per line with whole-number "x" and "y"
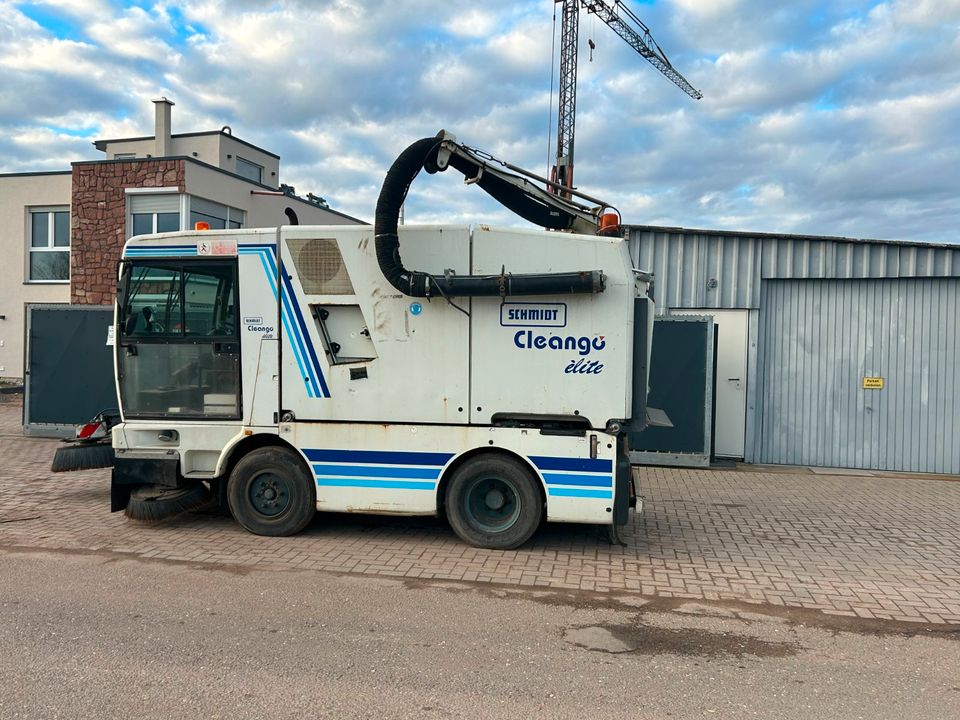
{"x": 724, "y": 270}
{"x": 818, "y": 340}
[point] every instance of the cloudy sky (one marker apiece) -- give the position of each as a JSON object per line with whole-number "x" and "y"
{"x": 837, "y": 117}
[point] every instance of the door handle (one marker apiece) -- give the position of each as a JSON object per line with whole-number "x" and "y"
{"x": 733, "y": 379}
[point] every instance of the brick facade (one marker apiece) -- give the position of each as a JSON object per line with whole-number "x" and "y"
{"x": 98, "y": 220}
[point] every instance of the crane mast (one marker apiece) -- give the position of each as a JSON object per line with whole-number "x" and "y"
{"x": 566, "y": 118}
{"x": 628, "y": 26}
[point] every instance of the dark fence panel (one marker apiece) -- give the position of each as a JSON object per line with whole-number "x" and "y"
{"x": 681, "y": 384}
{"x": 69, "y": 373}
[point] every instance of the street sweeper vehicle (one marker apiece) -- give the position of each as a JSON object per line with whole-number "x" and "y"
{"x": 296, "y": 369}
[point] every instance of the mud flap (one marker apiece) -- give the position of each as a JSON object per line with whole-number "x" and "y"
{"x": 623, "y": 496}
{"x": 129, "y": 473}
{"x": 119, "y": 493}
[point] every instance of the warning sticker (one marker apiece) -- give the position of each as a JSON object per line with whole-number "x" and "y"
{"x": 217, "y": 246}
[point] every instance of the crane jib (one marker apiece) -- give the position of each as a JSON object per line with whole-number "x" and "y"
{"x": 628, "y": 26}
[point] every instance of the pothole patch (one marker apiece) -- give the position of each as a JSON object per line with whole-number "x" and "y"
{"x": 652, "y": 640}
{"x": 596, "y": 638}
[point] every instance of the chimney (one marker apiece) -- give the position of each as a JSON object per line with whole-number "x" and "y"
{"x": 164, "y": 144}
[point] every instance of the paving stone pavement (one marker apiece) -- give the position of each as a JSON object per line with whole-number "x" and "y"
{"x": 873, "y": 547}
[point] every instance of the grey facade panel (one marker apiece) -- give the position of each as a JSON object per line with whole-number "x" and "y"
{"x": 724, "y": 270}
{"x": 818, "y": 340}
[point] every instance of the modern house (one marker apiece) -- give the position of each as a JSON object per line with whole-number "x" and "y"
{"x": 61, "y": 232}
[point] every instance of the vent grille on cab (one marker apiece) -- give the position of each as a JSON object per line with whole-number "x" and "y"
{"x": 320, "y": 266}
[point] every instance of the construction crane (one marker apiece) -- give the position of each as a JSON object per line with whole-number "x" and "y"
{"x": 637, "y": 35}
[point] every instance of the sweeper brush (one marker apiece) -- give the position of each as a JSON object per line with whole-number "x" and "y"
{"x": 82, "y": 457}
{"x": 154, "y": 503}
{"x": 91, "y": 448}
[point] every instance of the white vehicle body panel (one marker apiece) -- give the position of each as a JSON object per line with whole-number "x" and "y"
{"x": 381, "y": 393}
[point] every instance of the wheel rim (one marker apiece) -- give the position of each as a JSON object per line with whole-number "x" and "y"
{"x": 492, "y": 504}
{"x": 269, "y": 494}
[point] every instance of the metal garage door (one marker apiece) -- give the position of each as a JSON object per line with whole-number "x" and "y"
{"x": 823, "y": 346}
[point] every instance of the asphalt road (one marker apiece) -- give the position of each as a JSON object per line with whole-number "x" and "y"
{"x": 98, "y": 635}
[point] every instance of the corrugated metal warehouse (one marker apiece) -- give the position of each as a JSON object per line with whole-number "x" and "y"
{"x": 832, "y": 352}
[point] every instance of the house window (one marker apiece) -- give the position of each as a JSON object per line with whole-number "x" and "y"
{"x": 249, "y": 170}
{"x": 218, "y": 216}
{"x": 157, "y": 222}
{"x": 124, "y": 156}
{"x": 154, "y": 213}
{"x": 49, "y": 259}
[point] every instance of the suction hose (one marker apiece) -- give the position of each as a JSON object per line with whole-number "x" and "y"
{"x": 423, "y": 153}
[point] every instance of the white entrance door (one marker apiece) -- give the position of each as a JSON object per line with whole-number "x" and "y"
{"x": 731, "y": 379}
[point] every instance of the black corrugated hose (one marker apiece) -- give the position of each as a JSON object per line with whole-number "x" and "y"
{"x": 420, "y": 284}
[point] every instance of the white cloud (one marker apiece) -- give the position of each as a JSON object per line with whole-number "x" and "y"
{"x": 769, "y": 194}
{"x": 475, "y": 23}
{"x": 134, "y": 34}
{"x": 818, "y": 117}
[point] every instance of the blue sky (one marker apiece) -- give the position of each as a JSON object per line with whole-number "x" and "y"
{"x": 837, "y": 118}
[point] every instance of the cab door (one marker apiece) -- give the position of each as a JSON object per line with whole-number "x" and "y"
{"x": 178, "y": 350}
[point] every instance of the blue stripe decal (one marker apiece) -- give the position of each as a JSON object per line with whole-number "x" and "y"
{"x": 265, "y": 253}
{"x": 266, "y": 261}
{"x": 160, "y": 251}
{"x": 575, "y": 464}
{"x": 378, "y": 457}
{"x": 154, "y": 248}
{"x": 375, "y": 471}
{"x": 393, "y": 485}
{"x": 306, "y": 336}
{"x": 596, "y": 480}
{"x": 296, "y": 342}
{"x": 293, "y": 322}
{"x": 160, "y": 254}
{"x": 575, "y": 492}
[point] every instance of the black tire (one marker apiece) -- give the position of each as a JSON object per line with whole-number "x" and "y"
{"x": 270, "y": 492}
{"x": 494, "y": 502}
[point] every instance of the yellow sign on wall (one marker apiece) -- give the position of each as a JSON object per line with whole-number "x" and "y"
{"x": 873, "y": 383}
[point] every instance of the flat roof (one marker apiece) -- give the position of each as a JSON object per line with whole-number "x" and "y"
{"x": 789, "y": 236}
{"x": 208, "y": 166}
{"x": 102, "y": 144}
{"x": 35, "y": 174}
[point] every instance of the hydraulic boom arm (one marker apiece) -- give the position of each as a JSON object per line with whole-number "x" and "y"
{"x": 514, "y": 188}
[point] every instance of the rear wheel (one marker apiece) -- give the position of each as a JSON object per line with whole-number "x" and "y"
{"x": 270, "y": 492}
{"x": 494, "y": 502}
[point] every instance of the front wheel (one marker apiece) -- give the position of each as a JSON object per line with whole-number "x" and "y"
{"x": 493, "y": 502}
{"x": 271, "y": 493}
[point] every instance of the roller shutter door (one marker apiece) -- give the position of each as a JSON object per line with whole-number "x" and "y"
{"x": 822, "y": 341}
